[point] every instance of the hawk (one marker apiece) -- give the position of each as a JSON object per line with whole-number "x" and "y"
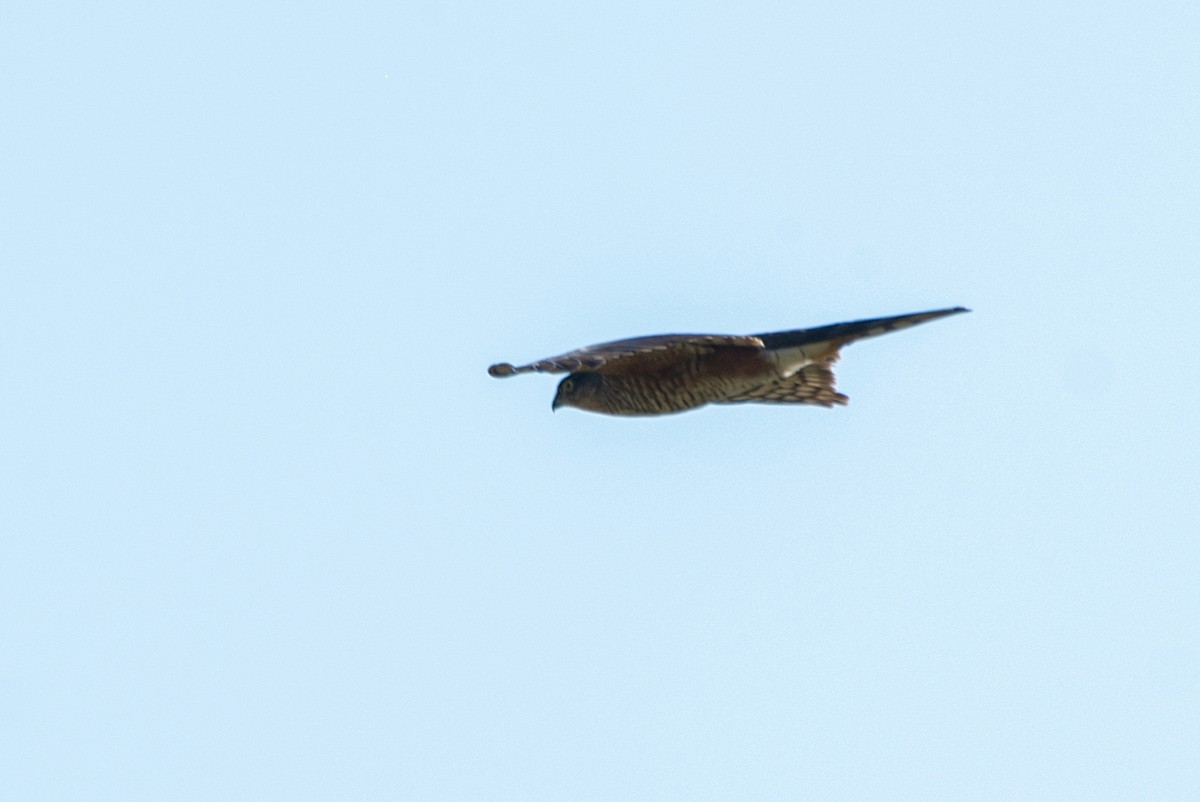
{"x": 675, "y": 372}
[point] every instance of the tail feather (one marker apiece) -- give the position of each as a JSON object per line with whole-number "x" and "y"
{"x": 811, "y": 385}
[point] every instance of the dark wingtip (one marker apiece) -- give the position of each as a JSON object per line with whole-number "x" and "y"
{"x": 935, "y": 314}
{"x": 501, "y": 370}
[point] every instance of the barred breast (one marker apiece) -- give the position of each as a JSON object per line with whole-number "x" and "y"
{"x": 687, "y": 384}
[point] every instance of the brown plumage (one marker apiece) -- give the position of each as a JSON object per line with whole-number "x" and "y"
{"x": 675, "y": 372}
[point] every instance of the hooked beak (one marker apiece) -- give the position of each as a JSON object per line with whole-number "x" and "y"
{"x": 554, "y": 405}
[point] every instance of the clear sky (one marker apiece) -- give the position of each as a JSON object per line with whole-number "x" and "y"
{"x": 269, "y": 531}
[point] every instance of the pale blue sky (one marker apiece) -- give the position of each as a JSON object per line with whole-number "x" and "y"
{"x": 269, "y": 531}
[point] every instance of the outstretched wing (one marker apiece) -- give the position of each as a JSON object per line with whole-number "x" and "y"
{"x": 797, "y": 348}
{"x": 839, "y": 334}
{"x": 810, "y": 385}
{"x": 637, "y": 353}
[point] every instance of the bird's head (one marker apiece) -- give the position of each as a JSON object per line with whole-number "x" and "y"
{"x": 581, "y": 390}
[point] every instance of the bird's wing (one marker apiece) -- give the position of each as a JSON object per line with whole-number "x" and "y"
{"x": 810, "y": 385}
{"x": 840, "y": 334}
{"x": 796, "y": 348}
{"x": 637, "y": 353}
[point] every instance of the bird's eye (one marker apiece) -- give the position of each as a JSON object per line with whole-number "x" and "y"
{"x": 568, "y": 385}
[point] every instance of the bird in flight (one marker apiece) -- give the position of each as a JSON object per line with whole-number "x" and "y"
{"x": 675, "y": 372}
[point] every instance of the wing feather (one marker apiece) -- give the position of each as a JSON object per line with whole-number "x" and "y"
{"x": 635, "y": 353}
